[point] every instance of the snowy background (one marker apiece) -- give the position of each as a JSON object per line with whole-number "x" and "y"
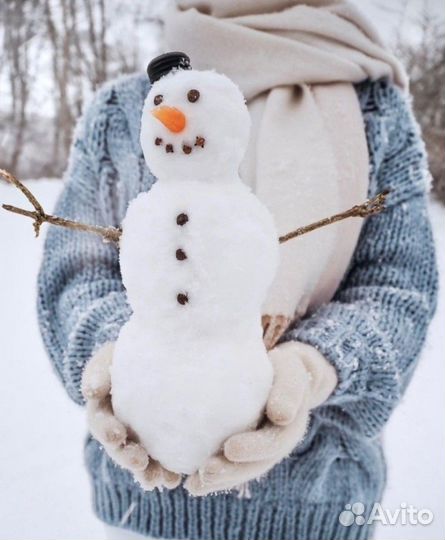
{"x": 44, "y": 491}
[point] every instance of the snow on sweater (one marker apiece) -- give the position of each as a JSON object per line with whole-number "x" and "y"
{"x": 372, "y": 331}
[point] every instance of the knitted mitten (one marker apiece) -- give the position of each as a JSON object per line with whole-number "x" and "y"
{"x": 303, "y": 380}
{"x": 119, "y": 443}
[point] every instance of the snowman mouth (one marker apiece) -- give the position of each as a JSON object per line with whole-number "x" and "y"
{"x": 184, "y": 148}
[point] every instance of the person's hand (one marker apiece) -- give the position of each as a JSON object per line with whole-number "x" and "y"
{"x": 303, "y": 379}
{"x": 118, "y": 442}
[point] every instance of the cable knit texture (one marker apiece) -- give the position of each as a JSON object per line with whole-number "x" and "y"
{"x": 372, "y": 331}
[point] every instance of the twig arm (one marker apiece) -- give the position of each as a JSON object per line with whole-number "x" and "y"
{"x": 369, "y": 208}
{"x": 39, "y": 216}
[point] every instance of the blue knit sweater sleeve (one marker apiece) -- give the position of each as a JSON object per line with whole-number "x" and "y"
{"x": 373, "y": 330}
{"x": 81, "y": 299}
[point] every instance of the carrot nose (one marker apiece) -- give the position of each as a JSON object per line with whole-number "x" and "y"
{"x": 172, "y": 118}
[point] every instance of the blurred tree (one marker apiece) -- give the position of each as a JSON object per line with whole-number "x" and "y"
{"x": 63, "y": 50}
{"x": 19, "y": 28}
{"x": 425, "y": 63}
{"x": 79, "y": 53}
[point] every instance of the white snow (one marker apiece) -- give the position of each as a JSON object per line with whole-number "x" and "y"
{"x": 208, "y": 350}
{"x": 44, "y": 488}
{"x": 44, "y": 491}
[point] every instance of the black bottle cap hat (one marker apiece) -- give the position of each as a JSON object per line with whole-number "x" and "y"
{"x": 163, "y": 64}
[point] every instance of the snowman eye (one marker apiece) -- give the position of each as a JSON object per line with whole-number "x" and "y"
{"x": 158, "y": 99}
{"x": 193, "y": 95}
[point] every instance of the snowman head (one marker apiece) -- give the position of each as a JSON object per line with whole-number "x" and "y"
{"x": 195, "y": 124}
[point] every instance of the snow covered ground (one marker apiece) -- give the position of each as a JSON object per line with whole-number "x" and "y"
{"x": 44, "y": 491}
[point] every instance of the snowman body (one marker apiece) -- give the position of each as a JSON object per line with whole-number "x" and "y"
{"x": 198, "y": 253}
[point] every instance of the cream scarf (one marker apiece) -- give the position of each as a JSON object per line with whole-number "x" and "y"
{"x": 295, "y": 63}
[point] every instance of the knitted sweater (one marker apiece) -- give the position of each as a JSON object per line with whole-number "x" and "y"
{"x": 371, "y": 332}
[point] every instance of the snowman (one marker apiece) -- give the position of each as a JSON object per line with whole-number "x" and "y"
{"x": 198, "y": 253}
